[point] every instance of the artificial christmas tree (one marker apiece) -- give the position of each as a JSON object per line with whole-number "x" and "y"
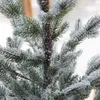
{"x": 40, "y": 73}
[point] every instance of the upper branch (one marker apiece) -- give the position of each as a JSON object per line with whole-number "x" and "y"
{"x": 11, "y": 8}
{"x": 19, "y": 56}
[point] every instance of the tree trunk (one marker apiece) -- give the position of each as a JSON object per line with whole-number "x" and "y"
{"x": 45, "y": 5}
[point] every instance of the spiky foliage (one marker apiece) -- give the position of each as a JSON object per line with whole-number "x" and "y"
{"x": 40, "y": 73}
{"x": 2, "y": 93}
